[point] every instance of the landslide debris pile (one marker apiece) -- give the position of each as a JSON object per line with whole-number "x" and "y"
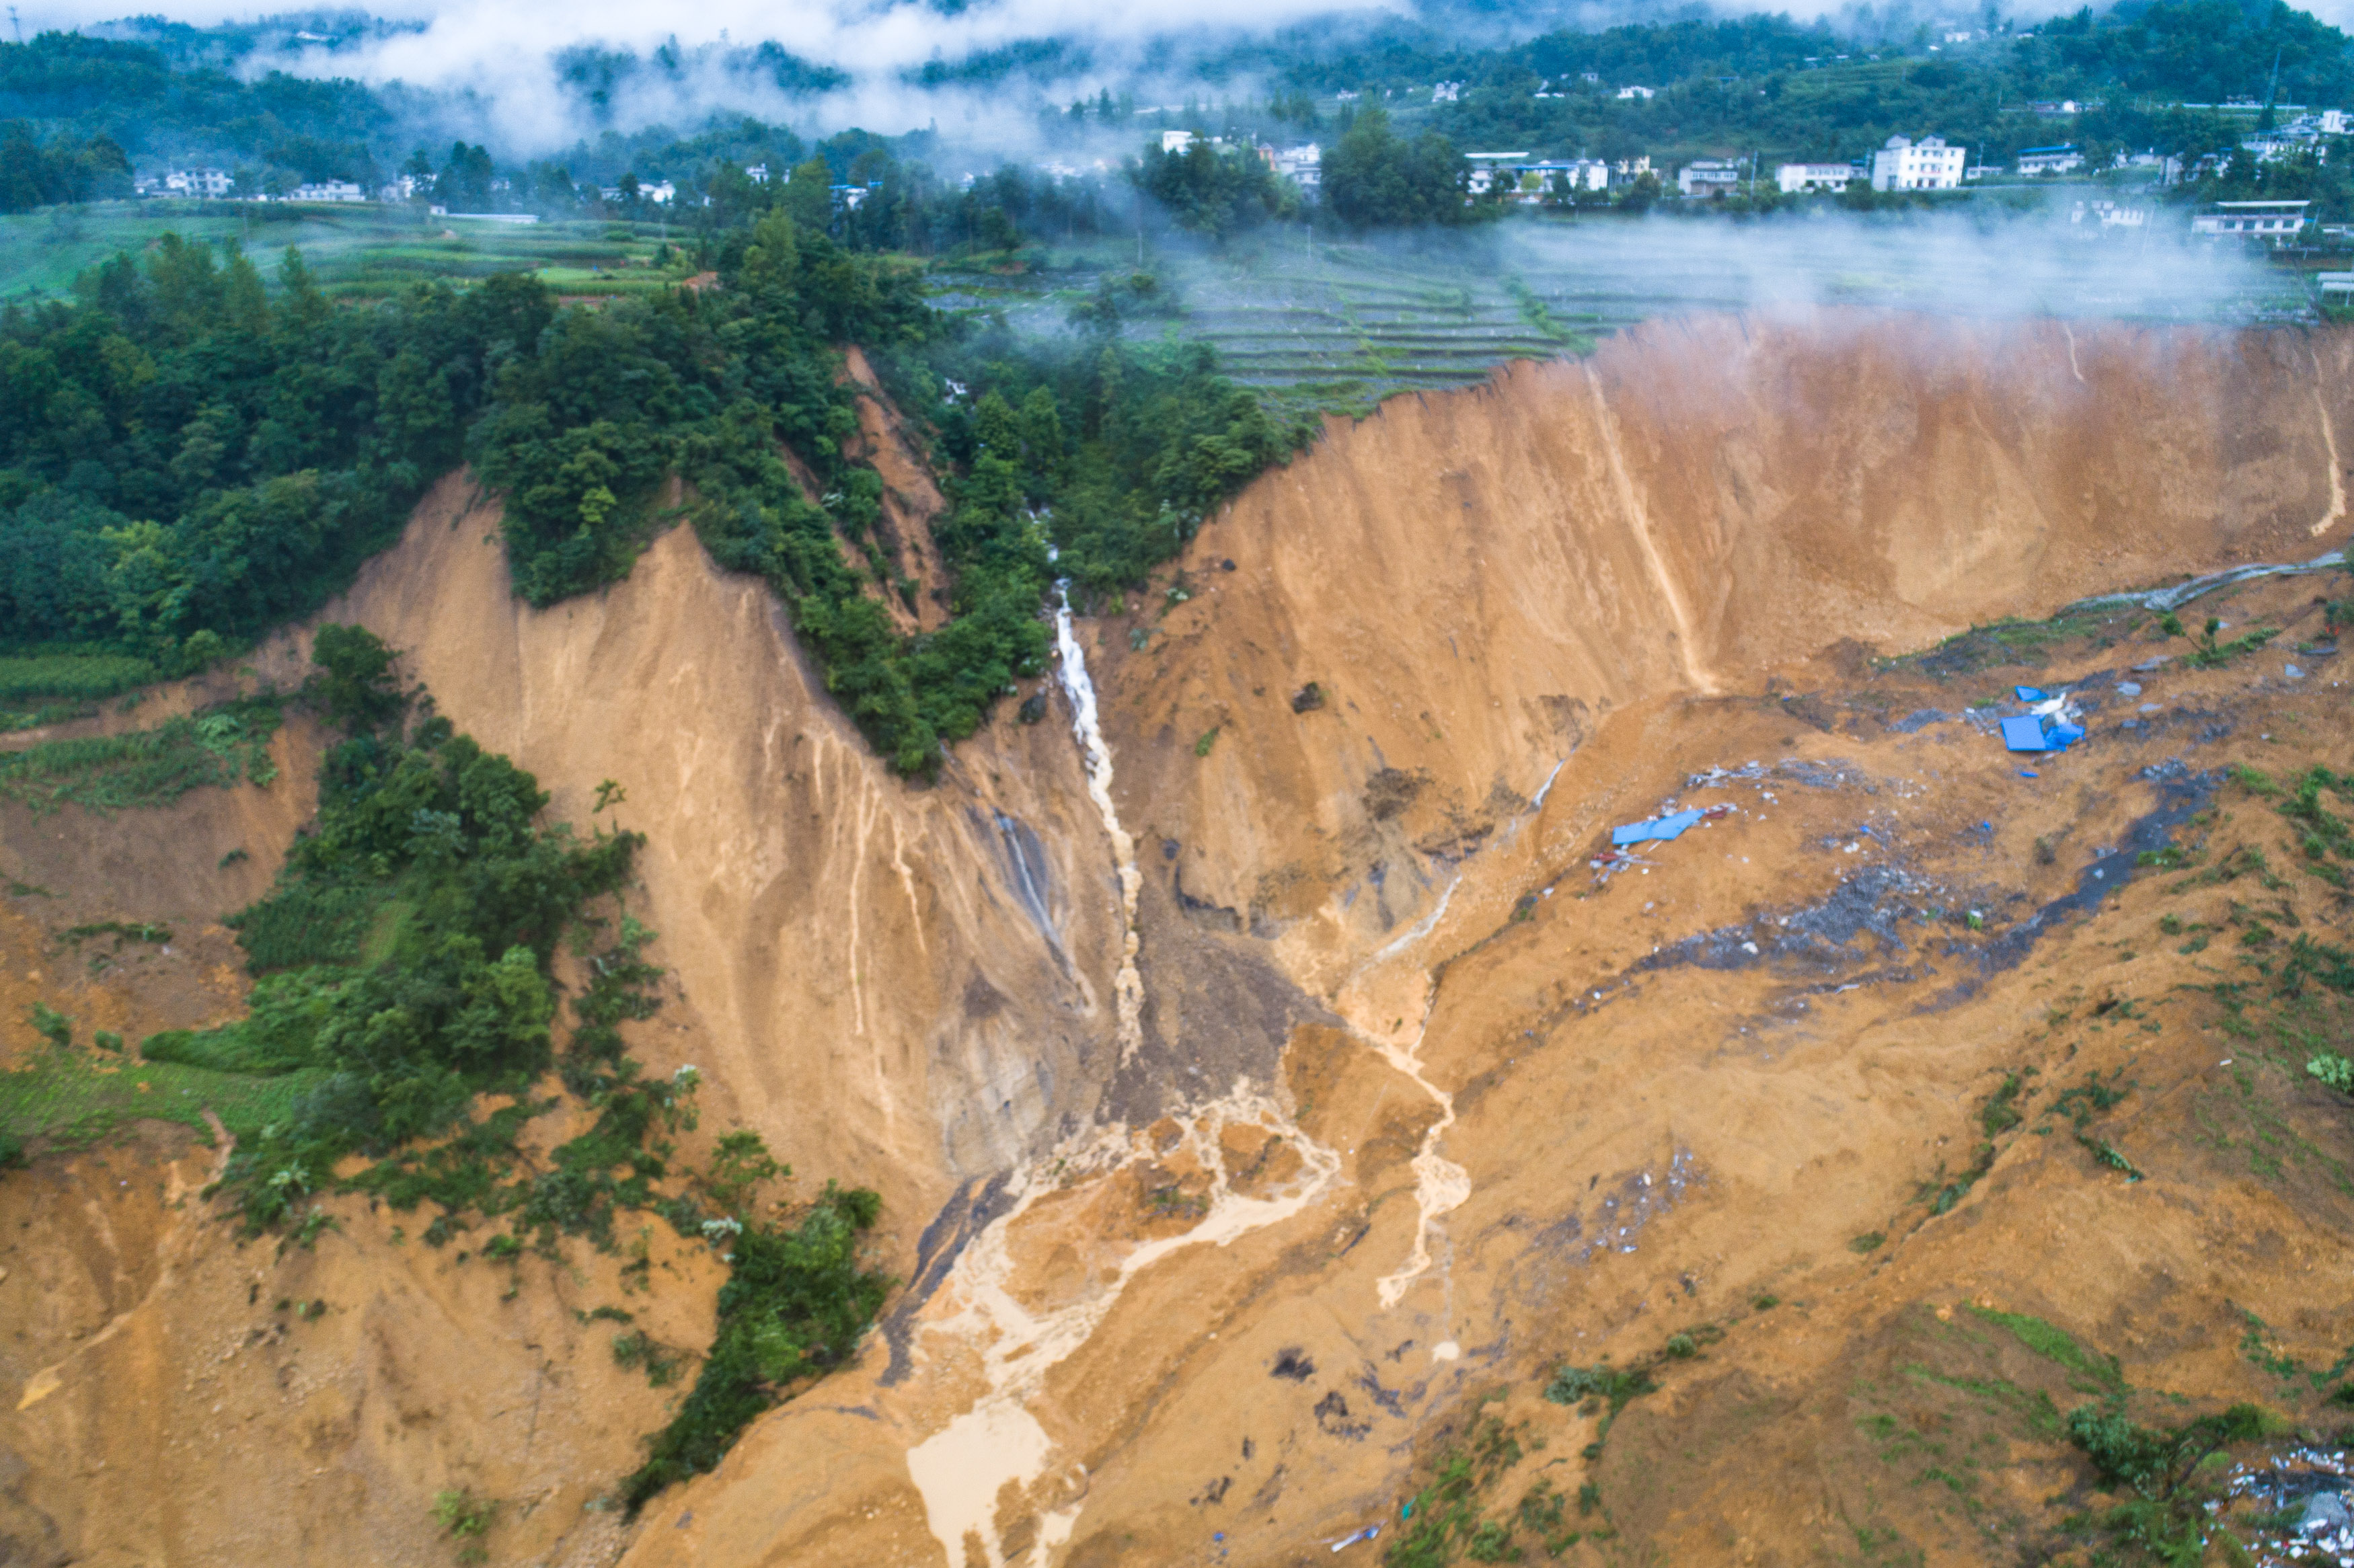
{"x": 1318, "y": 1132}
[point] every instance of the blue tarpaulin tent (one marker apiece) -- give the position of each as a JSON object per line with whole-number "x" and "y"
{"x": 2024, "y": 732}
{"x": 1662, "y": 828}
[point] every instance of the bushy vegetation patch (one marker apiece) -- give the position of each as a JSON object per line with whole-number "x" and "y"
{"x": 455, "y": 999}
{"x": 796, "y": 1303}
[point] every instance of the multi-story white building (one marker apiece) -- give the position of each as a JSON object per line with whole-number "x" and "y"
{"x": 2106, "y": 215}
{"x": 1573, "y": 174}
{"x": 1928, "y": 164}
{"x": 1794, "y": 177}
{"x": 328, "y": 190}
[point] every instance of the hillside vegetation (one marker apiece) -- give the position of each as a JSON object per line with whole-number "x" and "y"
{"x": 188, "y": 457}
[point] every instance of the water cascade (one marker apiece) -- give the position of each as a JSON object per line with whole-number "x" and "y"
{"x": 961, "y": 1470}
{"x": 1128, "y": 988}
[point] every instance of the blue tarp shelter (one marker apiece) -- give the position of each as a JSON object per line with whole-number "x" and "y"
{"x": 2024, "y": 732}
{"x": 1659, "y": 828}
{"x": 2028, "y": 732}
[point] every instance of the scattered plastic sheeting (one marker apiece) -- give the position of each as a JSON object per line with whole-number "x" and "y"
{"x": 1367, "y": 1533}
{"x": 2063, "y": 735}
{"x": 1658, "y": 827}
{"x": 2024, "y": 732}
{"x": 2183, "y": 593}
{"x": 2027, "y": 693}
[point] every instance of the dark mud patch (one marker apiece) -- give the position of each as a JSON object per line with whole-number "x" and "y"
{"x": 970, "y": 1210}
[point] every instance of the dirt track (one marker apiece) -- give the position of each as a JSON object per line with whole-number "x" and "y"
{"x": 1531, "y": 610}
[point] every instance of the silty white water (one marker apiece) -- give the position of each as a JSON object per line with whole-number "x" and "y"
{"x": 1127, "y": 987}
{"x": 1440, "y": 1185}
{"x": 961, "y": 1470}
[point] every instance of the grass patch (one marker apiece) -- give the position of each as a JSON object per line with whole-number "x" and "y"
{"x": 70, "y": 678}
{"x": 2211, "y": 654}
{"x": 1443, "y": 1518}
{"x": 303, "y": 924}
{"x": 2005, "y": 645}
{"x": 465, "y": 1519}
{"x": 2098, "y": 1373}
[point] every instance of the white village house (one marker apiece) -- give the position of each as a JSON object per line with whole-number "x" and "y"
{"x": 1302, "y": 165}
{"x": 2060, "y": 160}
{"x": 1492, "y": 171}
{"x": 1794, "y": 177}
{"x": 185, "y": 182}
{"x": 1709, "y": 177}
{"x": 2275, "y": 222}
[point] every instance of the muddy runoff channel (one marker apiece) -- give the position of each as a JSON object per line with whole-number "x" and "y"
{"x": 961, "y": 1470}
{"x": 979, "y": 1315}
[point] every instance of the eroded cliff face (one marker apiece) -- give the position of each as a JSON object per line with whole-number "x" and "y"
{"x": 904, "y": 986}
{"x": 1473, "y": 581}
{"x": 1415, "y": 1108}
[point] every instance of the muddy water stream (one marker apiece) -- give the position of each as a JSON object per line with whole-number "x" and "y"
{"x": 962, "y": 1469}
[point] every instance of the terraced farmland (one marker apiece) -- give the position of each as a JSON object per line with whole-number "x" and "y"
{"x": 1339, "y": 326}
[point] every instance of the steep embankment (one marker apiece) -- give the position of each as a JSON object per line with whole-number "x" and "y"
{"x": 1415, "y": 1108}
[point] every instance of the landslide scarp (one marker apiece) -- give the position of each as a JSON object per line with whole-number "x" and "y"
{"x": 1420, "y": 1111}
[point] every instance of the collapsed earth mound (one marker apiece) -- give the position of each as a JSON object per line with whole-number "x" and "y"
{"x": 1885, "y": 1068}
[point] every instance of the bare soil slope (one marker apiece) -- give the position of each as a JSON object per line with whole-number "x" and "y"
{"x": 1418, "y": 1110}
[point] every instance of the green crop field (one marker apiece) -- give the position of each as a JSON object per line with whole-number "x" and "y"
{"x": 75, "y": 1097}
{"x": 361, "y": 251}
